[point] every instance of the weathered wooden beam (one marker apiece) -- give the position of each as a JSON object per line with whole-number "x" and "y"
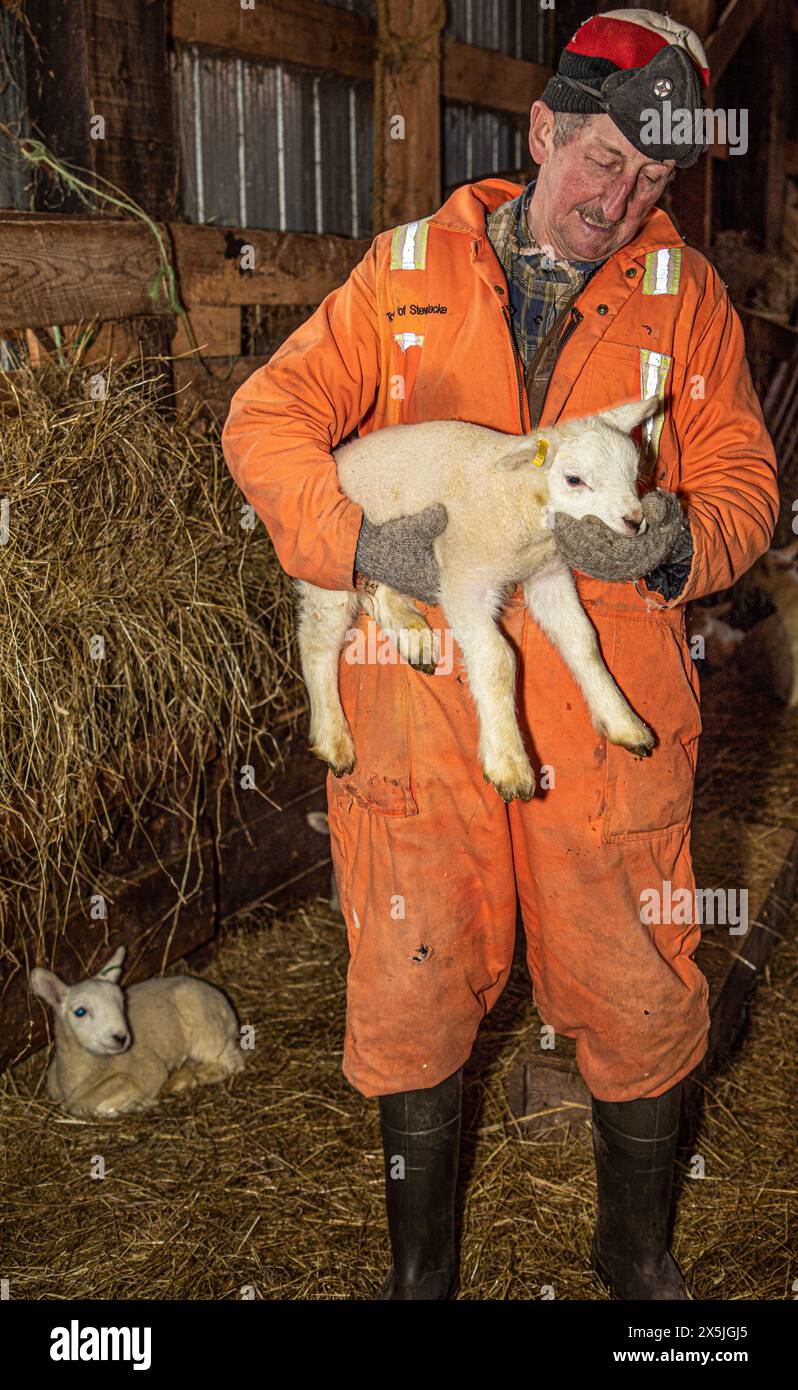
{"x": 288, "y": 267}
{"x": 485, "y": 78}
{"x": 62, "y": 270}
{"x": 407, "y": 112}
{"x": 334, "y": 40}
{"x": 68, "y": 269}
{"x": 280, "y": 31}
{"x": 733, "y": 25}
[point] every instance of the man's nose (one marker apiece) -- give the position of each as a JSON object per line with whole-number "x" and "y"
{"x": 634, "y": 521}
{"x": 614, "y": 203}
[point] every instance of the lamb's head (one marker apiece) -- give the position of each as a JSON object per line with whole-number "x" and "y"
{"x": 589, "y": 467}
{"x": 93, "y": 1011}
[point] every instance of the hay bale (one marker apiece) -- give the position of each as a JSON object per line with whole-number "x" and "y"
{"x": 143, "y": 624}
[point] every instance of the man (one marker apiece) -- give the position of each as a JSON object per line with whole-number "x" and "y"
{"x": 511, "y": 307}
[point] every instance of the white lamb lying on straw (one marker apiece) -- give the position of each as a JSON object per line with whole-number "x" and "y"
{"x": 500, "y": 492}
{"x": 177, "y": 1032}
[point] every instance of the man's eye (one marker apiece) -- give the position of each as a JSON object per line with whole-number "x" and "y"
{"x": 572, "y": 480}
{"x": 599, "y": 163}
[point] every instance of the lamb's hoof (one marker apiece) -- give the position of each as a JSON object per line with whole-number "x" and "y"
{"x": 338, "y": 755}
{"x": 340, "y": 769}
{"x": 637, "y": 740}
{"x": 641, "y": 751}
{"x": 513, "y": 787}
{"x": 418, "y": 647}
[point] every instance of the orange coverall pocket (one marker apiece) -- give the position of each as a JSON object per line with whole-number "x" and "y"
{"x": 376, "y": 704}
{"x": 650, "y": 661}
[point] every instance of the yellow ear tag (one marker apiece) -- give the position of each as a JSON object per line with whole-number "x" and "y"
{"x": 540, "y": 456}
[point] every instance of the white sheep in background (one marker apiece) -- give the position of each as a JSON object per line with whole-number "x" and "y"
{"x": 500, "y": 510}
{"x": 184, "y": 1033}
{"x": 720, "y": 639}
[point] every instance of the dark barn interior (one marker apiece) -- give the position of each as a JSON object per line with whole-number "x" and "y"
{"x": 165, "y": 799}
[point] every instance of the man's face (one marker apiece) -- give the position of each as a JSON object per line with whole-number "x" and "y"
{"x": 592, "y": 193}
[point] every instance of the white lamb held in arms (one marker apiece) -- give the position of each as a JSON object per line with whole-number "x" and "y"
{"x": 501, "y": 493}
{"x": 119, "y": 1051}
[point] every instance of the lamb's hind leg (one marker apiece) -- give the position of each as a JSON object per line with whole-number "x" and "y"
{"x": 552, "y": 600}
{"x": 398, "y": 616}
{"x": 325, "y": 617}
{"x": 490, "y": 666}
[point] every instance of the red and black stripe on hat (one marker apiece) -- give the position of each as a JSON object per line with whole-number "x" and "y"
{"x": 614, "y": 42}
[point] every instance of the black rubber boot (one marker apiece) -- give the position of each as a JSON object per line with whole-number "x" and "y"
{"x": 634, "y": 1142}
{"x": 421, "y": 1144}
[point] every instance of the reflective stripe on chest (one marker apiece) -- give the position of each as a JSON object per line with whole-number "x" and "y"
{"x": 663, "y": 271}
{"x": 409, "y": 245}
{"x": 654, "y": 368}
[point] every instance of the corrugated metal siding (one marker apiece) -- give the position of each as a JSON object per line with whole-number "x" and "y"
{"x": 14, "y": 173}
{"x": 519, "y": 28}
{"x": 266, "y": 145}
{"x": 477, "y": 143}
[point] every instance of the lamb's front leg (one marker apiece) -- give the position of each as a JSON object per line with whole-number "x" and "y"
{"x": 552, "y": 600}
{"x": 489, "y": 661}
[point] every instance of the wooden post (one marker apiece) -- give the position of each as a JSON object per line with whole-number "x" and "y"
{"x": 407, "y": 111}
{"x": 771, "y": 109}
{"x": 56, "y": 65}
{"x": 130, "y": 87}
{"x": 697, "y": 14}
{"x": 99, "y": 97}
{"x": 691, "y": 196}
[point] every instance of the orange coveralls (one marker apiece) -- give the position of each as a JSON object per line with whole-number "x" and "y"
{"x": 427, "y": 856}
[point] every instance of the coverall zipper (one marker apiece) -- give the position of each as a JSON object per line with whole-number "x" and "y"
{"x": 517, "y": 360}
{"x": 574, "y": 320}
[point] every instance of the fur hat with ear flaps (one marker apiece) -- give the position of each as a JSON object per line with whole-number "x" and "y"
{"x": 639, "y": 68}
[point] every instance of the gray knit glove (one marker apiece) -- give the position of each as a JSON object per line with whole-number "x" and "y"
{"x": 592, "y": 548}
{"x": 399, "y": 552}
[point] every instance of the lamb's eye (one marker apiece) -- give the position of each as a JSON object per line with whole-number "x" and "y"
{"x": 79, "y": 1012}
{"x": 572, "y": 480}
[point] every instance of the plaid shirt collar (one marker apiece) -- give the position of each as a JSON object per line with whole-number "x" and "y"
{"x": 538, "y": 283}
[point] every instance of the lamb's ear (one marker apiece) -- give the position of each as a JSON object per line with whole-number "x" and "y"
{"x": 530, "y": 451}
{"x": 112, "y": 969}
{"x": 47, "y": 985}
{"x": 627, "y": 417}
